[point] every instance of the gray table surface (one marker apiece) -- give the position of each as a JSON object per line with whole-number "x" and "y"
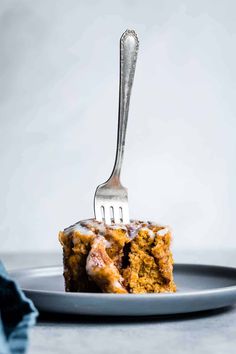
{"x": 208, "y": 332}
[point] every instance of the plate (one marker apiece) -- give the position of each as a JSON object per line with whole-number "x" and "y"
{"x": 200, "y": 287}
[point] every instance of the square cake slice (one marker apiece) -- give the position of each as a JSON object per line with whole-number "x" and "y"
{"x": 133, "y": 258}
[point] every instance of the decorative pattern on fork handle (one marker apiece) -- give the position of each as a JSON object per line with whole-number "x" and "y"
{"x": 111, "y": 198}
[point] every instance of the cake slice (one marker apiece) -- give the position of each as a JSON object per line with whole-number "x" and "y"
{"x": 133, "y": 258}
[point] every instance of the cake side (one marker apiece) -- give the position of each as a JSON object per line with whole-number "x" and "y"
{"x": 76, "y": 246}
{"x": 150, "y": 266}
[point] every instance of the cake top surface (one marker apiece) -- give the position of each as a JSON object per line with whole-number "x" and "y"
{"x": 92, "y": 226}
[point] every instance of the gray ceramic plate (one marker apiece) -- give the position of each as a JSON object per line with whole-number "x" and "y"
{"x": 200, "y": 287}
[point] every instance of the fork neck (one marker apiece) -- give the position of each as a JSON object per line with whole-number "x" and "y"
{"x": 115, "y": 175}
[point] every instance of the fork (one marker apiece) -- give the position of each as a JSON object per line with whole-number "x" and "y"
{"x": 111, "y": 198}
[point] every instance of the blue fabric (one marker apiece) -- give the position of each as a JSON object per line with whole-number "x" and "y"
{"x": 17, "y": 314}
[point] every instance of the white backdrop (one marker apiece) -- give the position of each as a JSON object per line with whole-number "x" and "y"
{"x": 59, "y": 68}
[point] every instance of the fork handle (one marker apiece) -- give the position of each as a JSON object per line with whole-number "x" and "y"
{"x": 129, "y": 46}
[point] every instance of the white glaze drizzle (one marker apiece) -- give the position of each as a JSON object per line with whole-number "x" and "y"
{"x": 151, "y": 234}
{"x": 78, "y": 227}
{"x": 163, "y": 232}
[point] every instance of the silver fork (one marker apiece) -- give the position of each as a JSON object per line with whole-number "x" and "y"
{"x": 111, "y": 198}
